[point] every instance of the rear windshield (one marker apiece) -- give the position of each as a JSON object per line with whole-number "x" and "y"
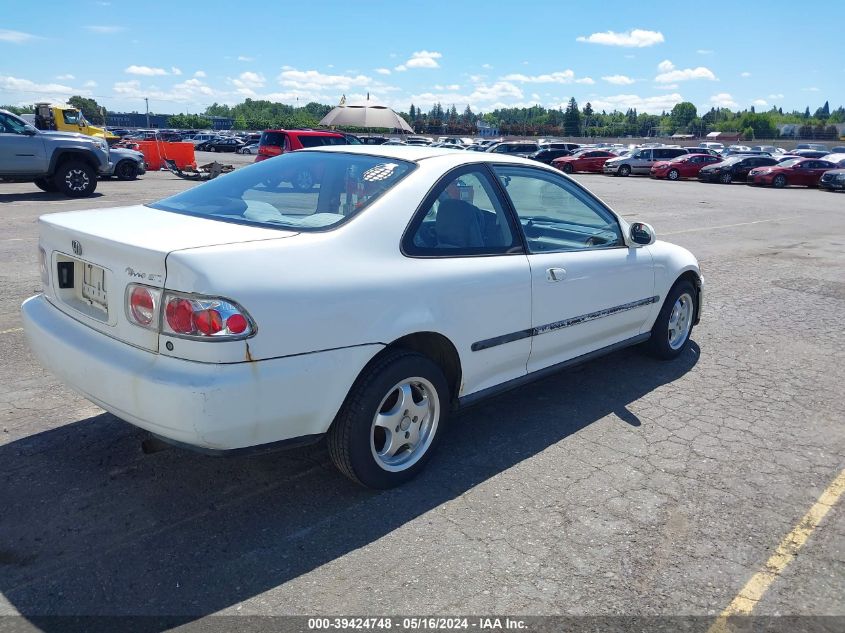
{"x": 300, "y": 191}
{"x": 319, "y": 141}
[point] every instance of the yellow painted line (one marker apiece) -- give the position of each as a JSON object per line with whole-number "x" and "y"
{"x": 728, "y": 226}
{"x": 787, "y": 551}
{"x": 14, "y": 329}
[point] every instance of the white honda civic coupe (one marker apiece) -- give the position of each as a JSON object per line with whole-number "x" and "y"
{"x": 407, "y": 282}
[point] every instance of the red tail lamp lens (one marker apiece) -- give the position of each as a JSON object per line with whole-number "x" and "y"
{"x": 236, "y": 324}
{"x": 141, "y": 305}
{"x": 180, "y": 316}
{"x": 208, "y": 321}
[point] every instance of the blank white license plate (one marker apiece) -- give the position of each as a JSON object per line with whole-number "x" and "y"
{"x": 94, "y": 286}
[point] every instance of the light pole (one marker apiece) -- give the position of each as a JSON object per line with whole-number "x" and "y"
{"x": 147, "y": 101}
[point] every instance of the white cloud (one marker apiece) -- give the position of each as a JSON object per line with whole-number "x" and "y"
{"x": 745, "y": 73}
{"x": 486, "y": 66}
{"x": 90, "y": 84}
{"x": 246, "y": 83}
{"x": 189, "y": 91}
{"x": 305, "y": 80}
{"x": 813, "y": 89}
{"x": 175, "y": 71}
{"x": 380, "y": 71}
{"x": 760, "y": 102}
{"x": 704, "y": 51}
{"x": 669, "y": 74}
{"x": 105, "y": 29}
{"x": 67, "y": 77}
{"x": 723, "y": 100}
{"x": 200, "y": 73}
{"x": 244, "y": 58}
{"x": 421, "y": 59}
{"x": 585, "y": 80}
{"x": 560, "y": 77}
{"x": 624, "y": 102}
{"x": 776, "y": 96}
{"x": 400, "y": 68}
{"x": 26, "y": 86}
{"x": 619, "y": 80}
{"x": 16, "y": 37}
{"x": 668, "y": 87}
{"x": 145, "y": 71}
{"x": 637, "y": 38}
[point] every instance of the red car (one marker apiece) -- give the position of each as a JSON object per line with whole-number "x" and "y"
{"x": 275, "y": 142}
{"x": 684, "y": 166}
{"x": 591, "y": 160}
{"x": 798, "y": 171}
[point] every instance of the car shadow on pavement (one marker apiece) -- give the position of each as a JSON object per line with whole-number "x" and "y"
{"x": 91, "y": 526}
{"x": 38, "y": 196}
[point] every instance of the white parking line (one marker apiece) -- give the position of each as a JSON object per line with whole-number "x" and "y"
{"x": 727, "y": 226}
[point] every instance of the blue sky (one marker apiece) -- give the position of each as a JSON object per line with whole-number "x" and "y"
{"x": 187, "y": 55}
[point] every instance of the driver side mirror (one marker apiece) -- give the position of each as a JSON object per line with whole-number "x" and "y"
{"x": 642, "y": 234}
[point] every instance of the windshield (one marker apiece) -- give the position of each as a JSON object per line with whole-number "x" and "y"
{"x": 790, "y": 163}
{"x": 301, "y": 190}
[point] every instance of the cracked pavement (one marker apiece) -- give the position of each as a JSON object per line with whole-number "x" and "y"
{"x": 624, "y": 486}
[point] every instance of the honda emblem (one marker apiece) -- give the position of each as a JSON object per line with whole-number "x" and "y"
{"x": 77, "y": 248}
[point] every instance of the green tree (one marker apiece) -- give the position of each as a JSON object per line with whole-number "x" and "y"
{"x": 572, "y": 119}
{"x": 588, "y": 109}
{"x": 823, "y": 113}
{"x": 190, "y": 122}
{"x": 89, "y": 108}
{"x": 682, "y": 114}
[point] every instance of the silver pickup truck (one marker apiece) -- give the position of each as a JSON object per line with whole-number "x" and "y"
{"x": 54, "y": 161}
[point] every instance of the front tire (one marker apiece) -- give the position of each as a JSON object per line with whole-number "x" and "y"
{"x": 76, "y": 179}
{"x": 673, "y": 174}
{"x": 671, "y": 331}
{"x": 624, "y": 171}
{"x": 391, "y": 421}
{"x": 779, "y": 181}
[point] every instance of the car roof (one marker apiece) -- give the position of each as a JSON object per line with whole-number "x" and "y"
{"x": 308, "y": 132}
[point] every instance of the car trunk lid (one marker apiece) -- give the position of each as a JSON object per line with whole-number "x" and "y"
{"x": 93, "y": 255}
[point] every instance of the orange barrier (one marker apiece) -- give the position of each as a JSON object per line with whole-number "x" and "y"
{"x": 156, "y": 151}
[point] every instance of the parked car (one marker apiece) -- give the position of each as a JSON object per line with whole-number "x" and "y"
{"x": 685, "y": 166}
{"x": 196, "y": 139}
{"x": 589, "y": 160}
{"x": 374, "y": 140}
{"x": 559, "y": 145}
{"x": 55, "y": 162}
{"x": 733, "y": 168}
{"x": 800, "y": 171}
{"x": 703, "y": 150}
{"x": 768, "y": 149}
{"x": 276, "y": 142}
{"x": 838, "y": 159}
{"x": 514, "y": 148}
{"x": 716, "y": 147}
{"x": 264, "y": 320}
{"x": 833, "y": 180}
{"x": 252, "y": 148}
{"x": 810, "y": 153}
{"x": 641, "y": 160}
{"x": 126, "y": 164}
{"x": 819, "y": 147}
{"x": 838, "y": 150}
{"x": 548, "y": 155}
{"x": 220, "y": 145}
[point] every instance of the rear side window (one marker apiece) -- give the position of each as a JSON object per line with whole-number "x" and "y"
{"x": 319, "y": 141}
{"x": 273, "y": 138}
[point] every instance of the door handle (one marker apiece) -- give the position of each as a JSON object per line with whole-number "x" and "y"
{"x": 555, "y": 274}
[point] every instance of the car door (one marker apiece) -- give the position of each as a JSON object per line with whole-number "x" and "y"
{"x": 589, "y": 290}
{"x": 741, "y": 169}
{"x": 22, "y": 149}
{"x": 815, "y": 171}
{"x": 642, "y": 161}
{"x": 474, "y": 277}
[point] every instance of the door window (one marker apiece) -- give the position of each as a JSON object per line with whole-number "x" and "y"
{"x": 555, "y": 214}
{"x": 11, "y": 125}
{"x": 462, "y": 217}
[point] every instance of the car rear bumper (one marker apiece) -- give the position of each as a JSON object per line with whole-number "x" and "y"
{"x": 208, "y": 406}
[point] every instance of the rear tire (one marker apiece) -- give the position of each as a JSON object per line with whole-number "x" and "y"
{"x": 779, "y": 181}
{"x": 126, "y": 170}
{"x": 76, "y": 179}
{"x": 401, "y": 397}
{"x": 567, "y": 168}
{"x": 726, "y": 179}
{"x": 46, "y": 184}
{"x": 672, "y": 329}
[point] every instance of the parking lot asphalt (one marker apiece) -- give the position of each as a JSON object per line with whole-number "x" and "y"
{"x": 623, "y": 486}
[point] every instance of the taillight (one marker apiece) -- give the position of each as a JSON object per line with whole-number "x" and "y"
{"x": 204, "y": 318}
{"x": 43, "y": 266}
{"x": 142, "y": 304}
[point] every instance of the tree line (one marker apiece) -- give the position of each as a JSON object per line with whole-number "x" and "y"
{"x": 572, "y": 120}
